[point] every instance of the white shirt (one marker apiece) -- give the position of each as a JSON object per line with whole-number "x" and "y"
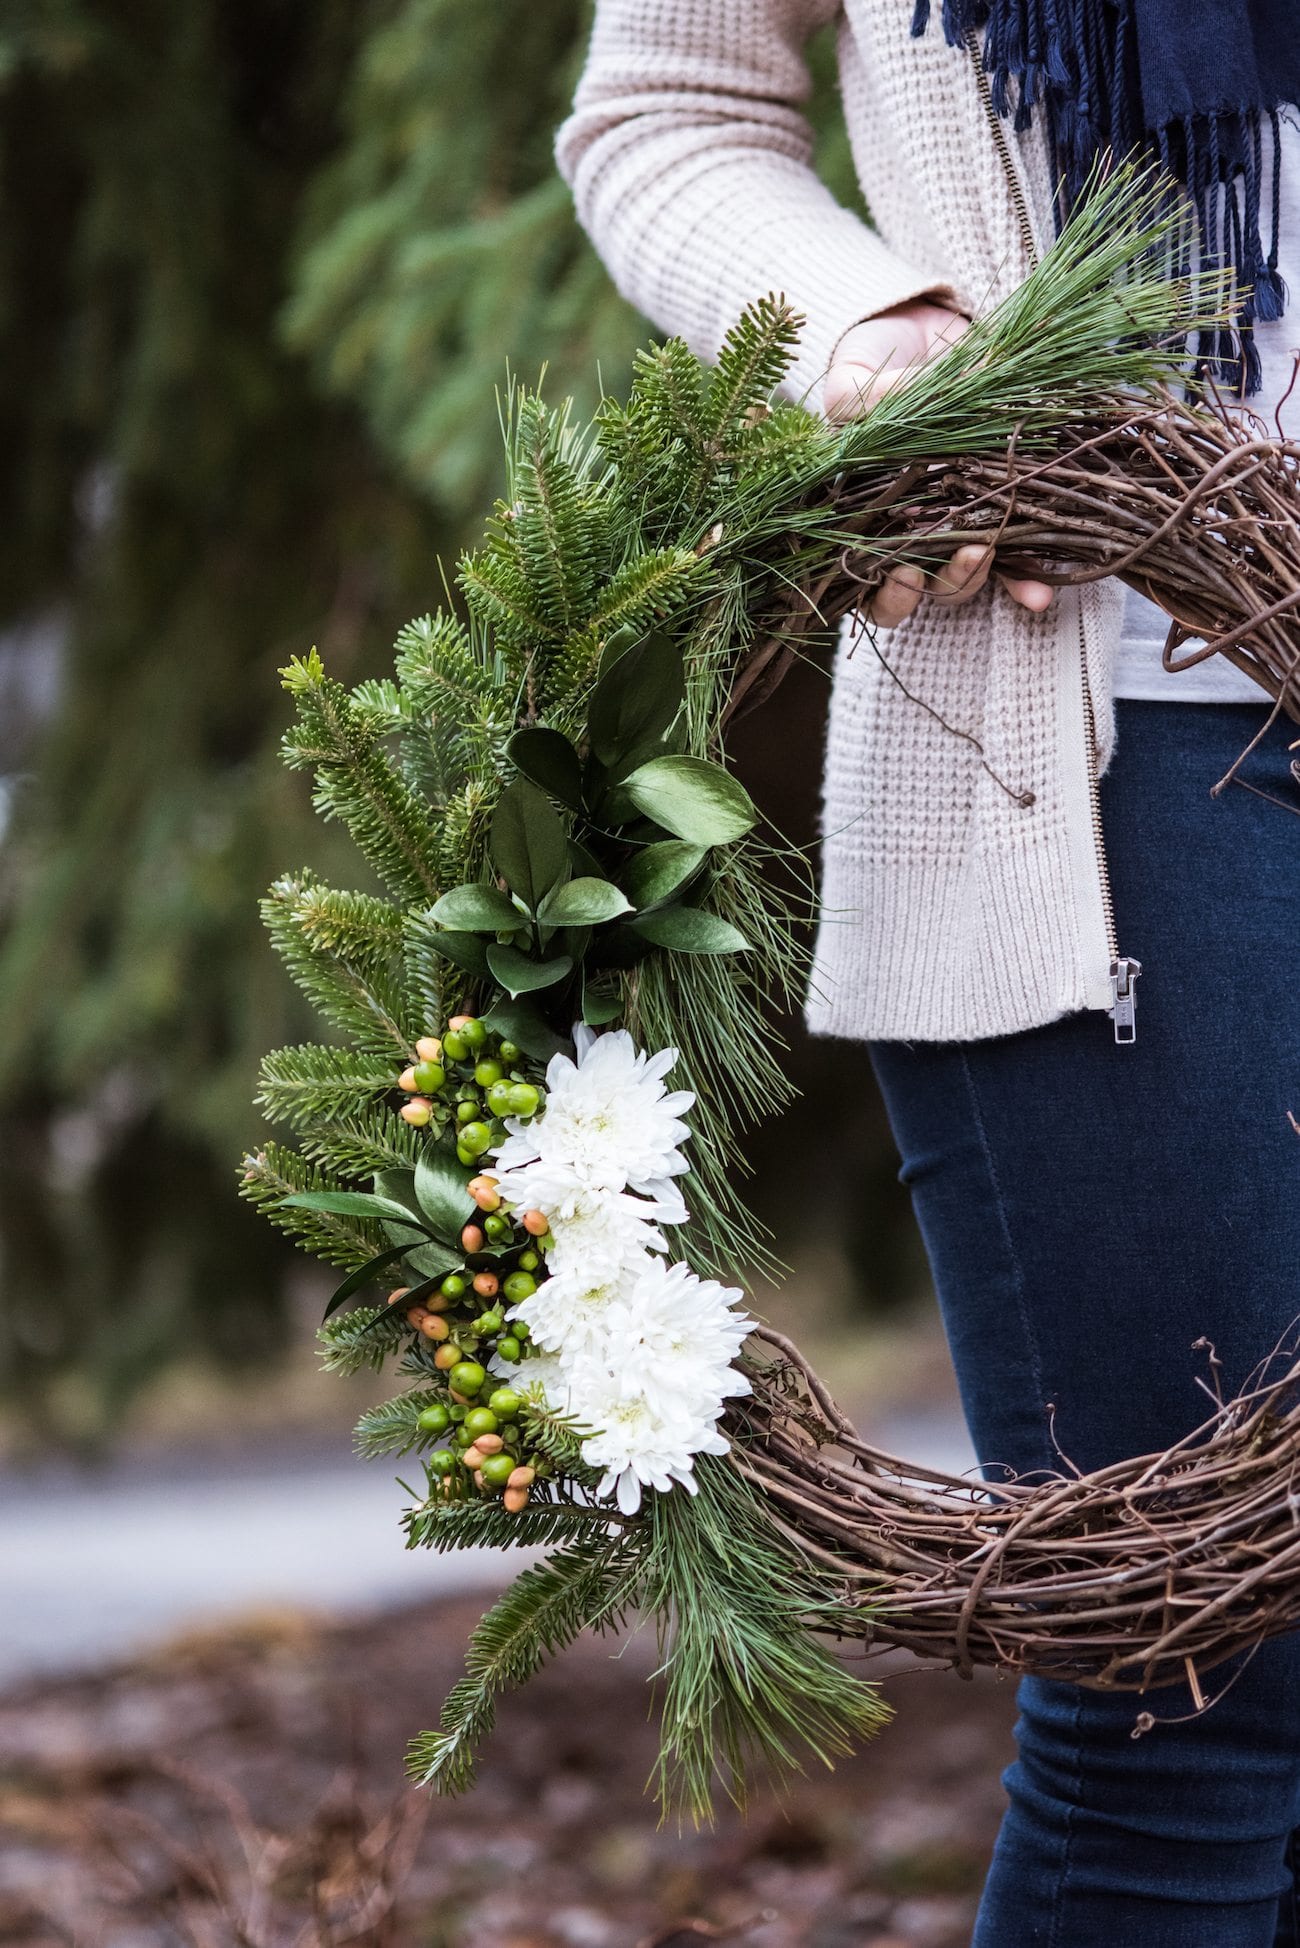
{"x": 1138, "y": 669}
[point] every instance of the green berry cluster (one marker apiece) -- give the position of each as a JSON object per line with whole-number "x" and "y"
{"x": 484, "y": 1442}
{"x": 458, "y": 1330}
{"x": 473, "y": 1077}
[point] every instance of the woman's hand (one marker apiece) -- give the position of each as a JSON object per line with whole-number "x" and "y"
{"x": 869, "y": 359}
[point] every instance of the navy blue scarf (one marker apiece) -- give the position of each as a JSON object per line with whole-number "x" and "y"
{"x": 1193, "y": 83}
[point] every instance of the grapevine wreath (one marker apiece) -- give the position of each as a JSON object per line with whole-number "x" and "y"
{"x": 523, "y": 1146}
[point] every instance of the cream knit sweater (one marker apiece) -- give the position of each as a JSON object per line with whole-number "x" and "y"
{"x": 964, "y": 884}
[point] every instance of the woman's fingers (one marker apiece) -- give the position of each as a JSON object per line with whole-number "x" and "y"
{"x": 852, "y": 388}
{"x": 897, "y": 596}
{"x": 962, "y": 575}
{"x": 1034, "y": 596}
{"x": 874, "y": 356}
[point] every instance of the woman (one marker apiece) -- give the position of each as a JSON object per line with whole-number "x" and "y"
{"x": 1018, "y": 825}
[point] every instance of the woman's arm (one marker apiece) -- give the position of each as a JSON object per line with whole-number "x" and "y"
{"x": 690, "y": 162}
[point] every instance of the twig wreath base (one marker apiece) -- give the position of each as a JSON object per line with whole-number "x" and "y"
{"x": 574, "y": 877}
{"x": 1134, "y": 1577}
{"x": 1197, "y": 508}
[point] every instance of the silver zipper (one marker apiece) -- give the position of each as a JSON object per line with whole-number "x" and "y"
{"x": 1124, "y": 970}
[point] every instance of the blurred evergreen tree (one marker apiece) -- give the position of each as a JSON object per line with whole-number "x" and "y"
{"x": 261, "y": 267}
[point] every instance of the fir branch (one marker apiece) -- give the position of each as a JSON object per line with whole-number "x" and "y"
{"x": 429, "y": 977}
{"x": 350, "y": 1147}
{"x": 648, "y": 588}
{"x": 459, "y": 694}
{"x": 382, "y": 707}
{"x": 356, "y": 783}
{"x": 474, "y": 1521}
{"x": 361, "y": 1340}
{"x": 500, "y": 596}
{"x": 585, "y": 1584}
{"x": 274, "y": 1173}
{"x": 755, "y": 355}
{"x": 364, "y": 997}
{"x": 390, "y": 1428}
{"x": 558, "y": 527}
{"x": 557, "y": 1437}
{"x": 304, "y": 1084}
{"x": 351, "y": 926}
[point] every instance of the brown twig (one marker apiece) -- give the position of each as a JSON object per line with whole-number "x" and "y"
{"x": 1145, "y": 1573}
{"x": 1192, "y": 505}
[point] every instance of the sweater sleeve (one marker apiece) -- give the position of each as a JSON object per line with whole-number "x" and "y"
{"x": 690, "y": 160}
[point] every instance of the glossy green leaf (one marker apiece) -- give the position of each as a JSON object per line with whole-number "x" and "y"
{"x": 476, "y": 909}
{"x": 549, "y": 760}
{"x": 520, "y": 975}
{"x": 435, "y": 1259}
{"x": 583, "y": 903}
{"x": 440, "y": 1180}
{"x": 528, "y": 843}
{"x": 462, "y": 949}
{"x": 520, "y": 1023}
{"x": 637, "y": 696}
{"x": 689, "y": 930}
{"x": 361, "y": 1277}
{"x": 349, "y": 1203}
{"x": 693, "y": 799}
{"x": 655, "y": 873}
{"x": 601, "y": 1005}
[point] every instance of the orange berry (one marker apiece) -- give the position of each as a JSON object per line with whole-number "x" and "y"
{"x": 457, "y": 1022}
{"x": 428, "y": 1048}
{"x": 515, "y": 1499}
{"x": 478, "y": 1477}
{"x": 485, "y": 1193}
{"x": 489, "y": 1444}
{"x": 535, "y": 1223}
{"x": 486, "y": 1284}
{"x": 433, "y": 1326}
{"x": 472, "y": 1238}
{"x": 406, "y": 1080}
{"x": 522, "y": 1478}
{"x": 446, "y": 1356}
{"x": 417, "y": 1112}
{"x": 471, "y": 1458}
{"x": 400, "y": 1293}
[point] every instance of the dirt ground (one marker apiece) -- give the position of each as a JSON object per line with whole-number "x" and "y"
{"x": 244, "y": 1790}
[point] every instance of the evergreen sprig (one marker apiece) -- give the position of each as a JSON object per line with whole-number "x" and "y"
{"x": 583, "y": 1586}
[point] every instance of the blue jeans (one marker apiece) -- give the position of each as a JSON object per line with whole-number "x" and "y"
{"x": 1091, "y": 1212}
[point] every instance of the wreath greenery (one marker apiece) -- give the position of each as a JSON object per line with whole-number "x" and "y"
{"x": 541, "y": 789}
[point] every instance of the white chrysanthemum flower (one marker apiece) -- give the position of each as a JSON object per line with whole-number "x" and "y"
{"x": 608, "y": 1118}
{"x": 598, "y": 1233}
{"x": 570, "y": 1311}
{"x": 672, "y": 1315}
{"x": 649, "y": 1371}
{"x": 567, "y": 1198}
{"x": 643, "y": 1435}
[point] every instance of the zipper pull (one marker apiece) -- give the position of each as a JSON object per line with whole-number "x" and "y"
{"x": 1123, "y": 1006}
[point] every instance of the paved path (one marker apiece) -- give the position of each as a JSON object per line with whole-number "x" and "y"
{"x": 98, "y": 1566}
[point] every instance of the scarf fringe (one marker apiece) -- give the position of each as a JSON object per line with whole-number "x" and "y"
{"x": 1055, "y": 55}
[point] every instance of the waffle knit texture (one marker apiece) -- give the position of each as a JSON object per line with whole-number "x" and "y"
{"x": 961, "y": 884}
